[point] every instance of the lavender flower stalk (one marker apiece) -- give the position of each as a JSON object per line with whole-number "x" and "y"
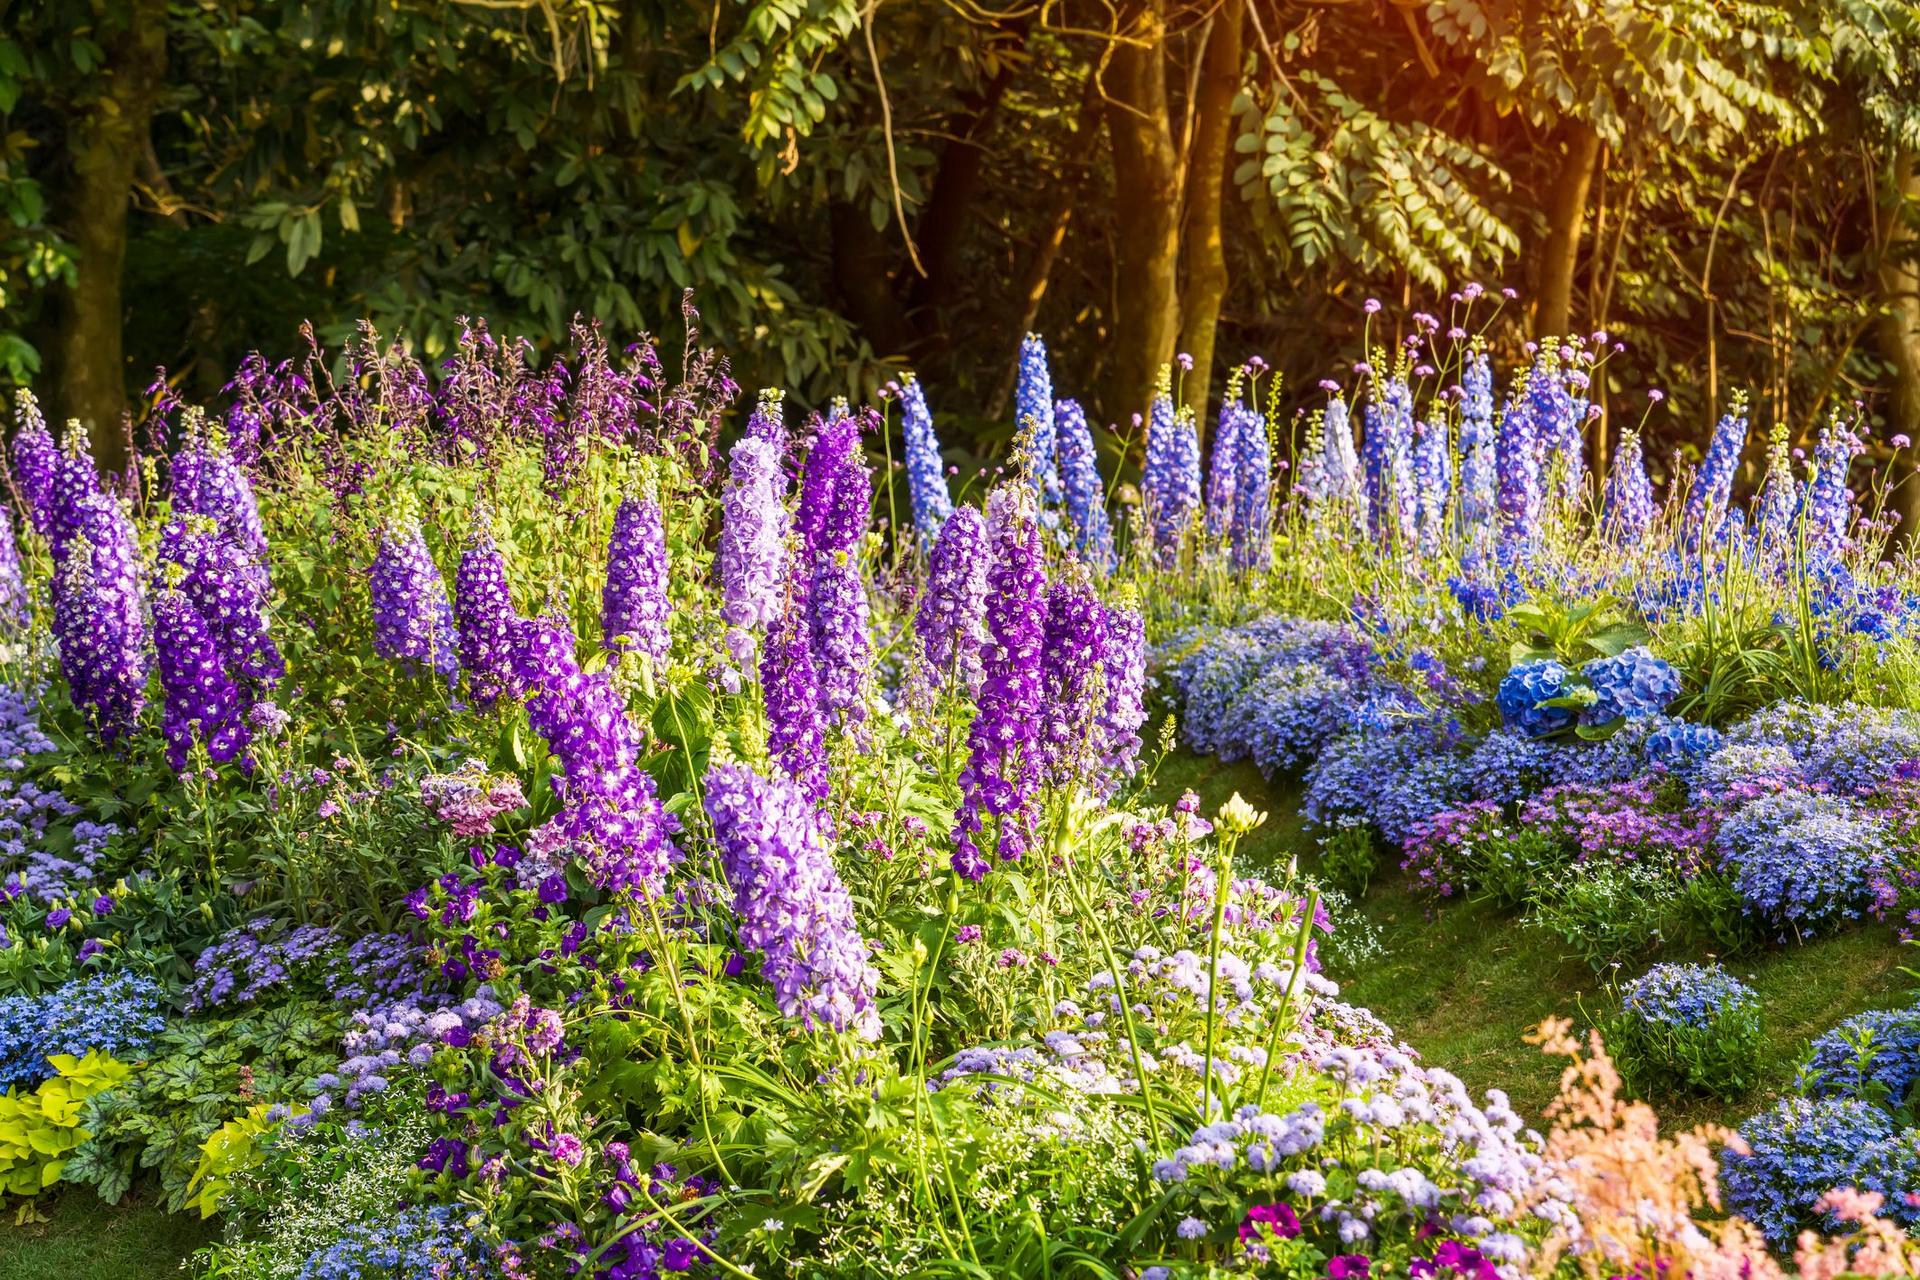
{"x": 1712, "y": 489}
{"x": 1479, "y": 494}
{"x": 1223, "y": 467}
{"x": 1627, "y": 505}
{"x": 948, "y": 621}
{"x": 412, "y": 618}
{"x": 1033, "y": 404}
{"x": 485, "y": 616}
{"x": 796, "y": 718}
{"x": 792, "y": 906}
{"x": 99, "y": 618}
{"x": 1072, "y": 657}
{"x": 1251, "y": 530}
{"x": 633, "y": 603}
{"x": 753, "y": 551}
{"x": 1433, "y": 480}
{"x": 1779, "y": 494}
{"x": 1123, "y": 663}
{"x": 1170, "y": 478}
{"x": 1393, "y": 503}
{"x": 1518, "y": 468}
{"x": 1080, "y": 478}
{"x": 1829, "y": 500}
{"x": 15, "y": 611}
{"x": 208, "y": 482}
{"x": 1003, "y": 767}
{"x": 926, "y": 475}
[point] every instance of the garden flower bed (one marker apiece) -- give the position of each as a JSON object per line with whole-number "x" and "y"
{"x": 509, "y": 822}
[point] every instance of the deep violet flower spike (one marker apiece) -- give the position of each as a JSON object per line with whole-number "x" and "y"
{"x": 485, "y": 617}
{"x": 1033, "y": 404}
{"x": 99, "y": 619}
{"x": 229, "y": 588}
{"x": 75, "y": 479}
{"x": 36, "y": 460}
{"x": 633, "y": 603}
{"x": 752, "y": 557}
{"x": 835, "y": 503}
{"x": 1627, "y": 505}
{"x": 1080, "y": 481}
{"x": 1002, "y": 772}
{"x": 203, "y": 704}
{"x": 796, "y": 718}
{"x": 208, "y": 482}
{"x": 791, "y": 904}
{"x": 1072, "y": 656}
{"x": 950, "y": 618}
{"x": 412, "y": 617}
{"x": 926, "y": 474}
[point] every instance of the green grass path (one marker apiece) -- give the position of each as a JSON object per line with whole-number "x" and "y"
{"x": 88, "y": 1240}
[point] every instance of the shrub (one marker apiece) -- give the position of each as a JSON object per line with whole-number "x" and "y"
{"x": 1686, "y": 1027}
{"x": 1801, "y": 1148}
{"x": 1803, "y": 861}
{"x": 1872, "y": 1056}
{"x": 1608, "y": 913}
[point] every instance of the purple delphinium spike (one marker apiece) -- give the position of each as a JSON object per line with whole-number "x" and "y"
{"x": 1073, "y": 650}
{"x": 1170, "y": 477}
{"x": 99, "y": 618}
{"x": 1003, "y": 765}
{"x": 796, "y": 720}
{"x": 1433, "y": 480}
{"x": 1627, "y": 505}
{"x": 1393, "y": 500}
{"x": 753, "y": 550}
{"x": 835, "y": 503}
{"x": 1779, "y": 500}
{"x": 1033, "y": 403}
{"x": 1251, "y": 531}
{"x": 768, "y": 421}
{"x": 1518, "y": 470}
{"x": 1080, "y": 482}
{"x": 633, "y": 604}
{"x": 75, "y": 479}
{"x": 1479, "y": 484}
{"x": 229, "y": 589}
{"x": 1124, "y": 707}
{"x": 611, "y": 816}
{"x": 1558, "y": 420}
{"x": 412, "y": 618}
{"x": 792, "y": 906}
{"x": 1223, "y": 471}
{"x": 36, "y": 460}
{"x": 208, "y": 482}
{"x": 1712, "y": 489}
{"x": 202, "y": 701}
{"x": 484, "y": 616}
{"x": 952, "y": 609}
{"x": 926, "y": 474}
{"x": 15, "y": 611}
{"x": 1829, "y": 500}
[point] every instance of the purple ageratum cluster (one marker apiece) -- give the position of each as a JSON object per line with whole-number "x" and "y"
{"x": 792, "y": 907}
{"x": 1689, "y": 996}
{"x": 1170, "y": 477}
{"x": 1631, "y": 684}
{"x": 1033, "y": 404}
{"x": 484, "y": 616}
{"x": 796, "y": 716}
{"x": 15, "y": 610}
{"x": 1003, "y": 765}
{"x": 1080, "y": 480}
{"x": 1479, "y": 482}
{"x": 1072, "y": 658}
{"x": 950, "y": 618}
{"x": 926, "y": 474}
{"x": 36, "y": 461}
{"x": 1627, "y": 504}
{"x": 611, "y": 816}
{"x": 836, "y": 498}
{"x": 1124, "y": 708}
{"x": 753, "y": 550}
{"x": 412, "y": 617}
{"x": 1522, "y": 691}
{"x": 633, "y": 603}
{"x": 259, "y": 957}
{"x": 99, "y": 619}
{"x": 203, "y": 702}
{"x": 1712, "y": 490}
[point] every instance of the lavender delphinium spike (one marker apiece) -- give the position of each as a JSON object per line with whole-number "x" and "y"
{"x": 1518, "y": 470}
{"x": 202, "y": 701}
{"x": 1003, "y": 765}
{"x": 1393, "y": 503}
{"x": 792, "y": 906}
{"x": 15, "y": 611}
{"x": 1124, "y": 705}
{"x": 926, "y": 474}
{"x": 1557, "y": 420}
{"x": 951, "y": 612}
{"x": 752, "y": 556}
{"x": 1779, "y": 500}
{"x": 1344, "y": 483}
{"x": 633, "y": 603}
{"x": 1073, "y": 649}
{"x": 768, "y": 421}
{"x": 1479, "y": 484}
{"x": 1033, "y": 403}
{"x": 36, "y": 460}
{"x": 1829, "y": 500}
{"x": 1433, "y": 480}
{"x": 796, "y": 719}
{"x": 1080, "y": 480}
{"x": 836, "y": 500}
{"x": 412, "y": 617}
{"x": 1223, "y": 468}
{"x": 484, "y": 616}
{"x": 99, "y": 618}
{"x": 1170, "y": 477}
{"x": 1252, "y": 528}
{"x": 1627, "y": 505}
{"x": 1712, "y": 490}
{"x": 229, "y": 589}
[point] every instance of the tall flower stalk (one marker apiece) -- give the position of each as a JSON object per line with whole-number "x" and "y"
{"x": 926, "y": 474}
{"x": 1080, "y": 481}
{"x": 633, "y": 603}
{"x": 412, "y": 617}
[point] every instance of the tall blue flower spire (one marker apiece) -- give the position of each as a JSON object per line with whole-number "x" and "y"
{"x": 1080, "y": 478}
{"x": 1033, "y": 403}
{"x": 926, "y": 475}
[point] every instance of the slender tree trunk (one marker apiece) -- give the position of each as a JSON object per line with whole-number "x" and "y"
{"x": 1146, "y": 174}
{"x": 949, "y": 211}
{"x": 1899, "y": 327}
{"x": 105, "y": 140}
{"x": 1203, "y": 284}
{"x": 1566, "y": 216}
{"x": 863, "y": 263}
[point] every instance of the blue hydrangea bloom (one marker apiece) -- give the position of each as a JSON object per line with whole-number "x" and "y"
{"x": 1528, "y": 685}
{"x": 1631, "y": 684}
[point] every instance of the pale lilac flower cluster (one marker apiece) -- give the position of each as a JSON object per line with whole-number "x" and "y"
{"x": 633, "y": 603}
{"x": 412, "y": 618}
{"x": 14, "y": 607}
{"x": 1003, "y": 764}
{"x": 1072, "y": 661}
{"x": 1628, "y": 502}
{"x": 792, "y": 907}
{"x": 1479, "y": 481}
{"x": 1393, "y": 500}
{"x": 1517, "y": 466}
{"x": 1124, "y": 708}
{"x": 752, "y": 556}
{"x": 950, "y": 618}
{"x": 470, "y": 798}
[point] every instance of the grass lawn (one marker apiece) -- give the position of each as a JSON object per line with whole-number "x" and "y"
{"x": 1463, "y": 982}
{"x": 87, "y": 1240}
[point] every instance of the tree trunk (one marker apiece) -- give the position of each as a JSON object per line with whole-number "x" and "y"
{"x": 949, "y": 212}
{"x": 863, "y": 263}
{"x": 1899, "y": 328}
{"x": 1146, "y": 176}
{"x": 1566, "y": 214}
{"x": 105, "y": 140}
{"x": 1203, "y": 283}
